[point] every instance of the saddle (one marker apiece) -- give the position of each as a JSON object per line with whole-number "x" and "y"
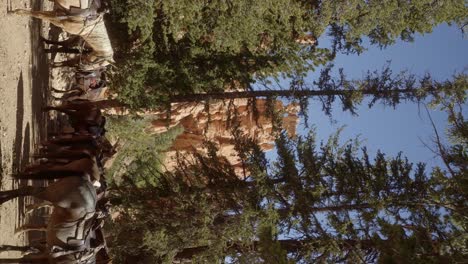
{"x": 88, "y": 9}
{"x": 82, "y": 230}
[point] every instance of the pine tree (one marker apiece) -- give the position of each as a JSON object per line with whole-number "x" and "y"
{"x": 184, "y": 47}
{"x": 333, "y": 203}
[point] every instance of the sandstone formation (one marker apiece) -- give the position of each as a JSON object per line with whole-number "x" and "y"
{"x": 212, "y": 123}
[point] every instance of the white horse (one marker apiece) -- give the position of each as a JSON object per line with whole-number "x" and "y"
{"x": 74, "y": 203}
{"x": 92, "y": 30}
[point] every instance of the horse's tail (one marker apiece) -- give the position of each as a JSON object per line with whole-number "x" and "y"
{"x": 49, "y": 174}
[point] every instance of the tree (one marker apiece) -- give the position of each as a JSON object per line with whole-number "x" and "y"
{"x": 325, "y": 203}
{"x": 139, "y": 149}
{"x": 384, "y": 87}
{"x": 382, "y": 22}
{"x": 189, "y": 47}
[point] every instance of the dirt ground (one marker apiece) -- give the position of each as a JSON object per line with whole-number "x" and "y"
{"x": 24, "y": 80}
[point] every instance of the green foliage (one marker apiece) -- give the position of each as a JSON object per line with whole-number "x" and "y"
{"x": 384, "y": 87}
{"x": 140, "y": 150}
{"x": 182, "y": 47}
{"x": 335, "y": 202}
{"x": 137, "y": 15}
{"x": 385, "y": 21}
{"x": 200, "y": 46}
{"x": 332, "y": 199}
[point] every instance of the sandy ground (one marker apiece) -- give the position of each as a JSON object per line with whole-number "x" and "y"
{"x": 24, "y": 78}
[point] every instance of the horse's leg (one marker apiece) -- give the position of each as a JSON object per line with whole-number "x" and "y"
{"x": 71, "y": 41}
{"x": 57, "y": 98}
{"x": 74, "y": 167}
{"x": 61, "y": 108}
{"x": 24, "y": 260}
{"x": 23, "y": 191}
{"x": 32, "y": 258}
{"x": 58, "y": 91}
{"x": 67, "y": 154}
{"x": 71, "y": 94}
{"x": 19, "y": 248}
{"x": 35, "y": 206}
{"x": 83, "y": 164}
{"x": 63, "y": 50}
{"x": 73, "y": 90}
{"x": 68, "y": 63}
{"x": 27, "y": 228}
{"x": 36, "y": 167}
{"x": 49, "y": 173}
{"x": 50, "y": 16}
{"x": 47, "y": 146}
{"x": 76, "y": 139}
{"x": 37, "y": 253}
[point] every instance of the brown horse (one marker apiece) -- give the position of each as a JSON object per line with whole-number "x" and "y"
{"x": 87, "y": 85}
{"x": 52, "y": 170}
{"x": 84, "y": 117}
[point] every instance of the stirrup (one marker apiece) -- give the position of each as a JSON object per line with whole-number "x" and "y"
{"x": 73, "y": 242}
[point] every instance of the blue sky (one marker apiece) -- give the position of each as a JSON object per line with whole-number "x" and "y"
{"x": 442, "y": 53}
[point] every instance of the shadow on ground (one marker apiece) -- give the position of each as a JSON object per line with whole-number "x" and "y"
{"x": 31, "y": 134}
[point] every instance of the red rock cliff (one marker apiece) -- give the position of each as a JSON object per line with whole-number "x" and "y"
{"x": 211, "y": 123}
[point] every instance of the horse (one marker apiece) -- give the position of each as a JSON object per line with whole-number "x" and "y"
{"x": 96, "y": 248}
{"x": 74, "y": 203}
{"x": 52, "y": 170}
{"x": 40, "y": 255}
{"x": 84, "y": 117}
{"x": 93, "y": 94}
{"x": 100, "y": 144}
{"x": 90, "y": 86}
{"x": 91, "y": 28}
{"x": 102, "y": 212}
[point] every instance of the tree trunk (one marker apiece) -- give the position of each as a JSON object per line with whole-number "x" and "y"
{"x": 281, "y": 93}
{"x": 186, "y": 98}
{"x": 104, "y": 104}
